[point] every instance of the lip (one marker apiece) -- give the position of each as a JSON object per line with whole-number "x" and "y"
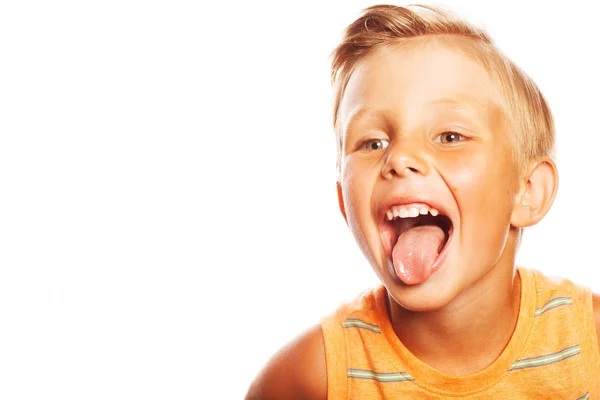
{"x": 403, "y": 200}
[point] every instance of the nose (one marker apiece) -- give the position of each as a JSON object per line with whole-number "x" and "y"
{"x": 404, "y": 159}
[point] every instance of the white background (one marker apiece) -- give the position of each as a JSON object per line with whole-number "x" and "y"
{"x": 168, "y": 216}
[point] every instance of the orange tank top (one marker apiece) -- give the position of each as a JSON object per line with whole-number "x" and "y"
{"x": 553, "y": 353}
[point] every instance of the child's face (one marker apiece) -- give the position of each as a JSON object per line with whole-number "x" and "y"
{"x": 421, "y": 127}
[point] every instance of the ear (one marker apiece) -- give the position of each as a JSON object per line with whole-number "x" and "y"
{"x": 536, "y": 193}
{"x": 341, "y": 200}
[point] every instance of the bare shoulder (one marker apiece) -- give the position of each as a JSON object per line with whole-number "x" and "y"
{"x": 297, "y": 372}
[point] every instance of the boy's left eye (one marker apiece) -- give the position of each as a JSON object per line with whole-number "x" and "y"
{"x": 375, "y": 144}
{"x": 450, "y": 137}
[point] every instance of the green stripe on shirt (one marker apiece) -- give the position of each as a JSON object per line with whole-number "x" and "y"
{"x": 380, "y": 376}
{"x": 556, "y": 302}
{"x": 357, "y": 323}
{"x": 546, "y": 359}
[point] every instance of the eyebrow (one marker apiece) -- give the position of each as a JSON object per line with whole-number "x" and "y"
{"x": 361, "y": 113}
{"x": 459, "y": 103}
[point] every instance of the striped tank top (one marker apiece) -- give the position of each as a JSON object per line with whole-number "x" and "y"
{"x": 553, "y": 353}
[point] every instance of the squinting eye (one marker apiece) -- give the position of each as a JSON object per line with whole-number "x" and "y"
{"x": 451, "y": 137}
{"x": 376, "y": 144}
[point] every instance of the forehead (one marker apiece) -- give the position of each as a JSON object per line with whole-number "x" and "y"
{"x": 421, "y": 76}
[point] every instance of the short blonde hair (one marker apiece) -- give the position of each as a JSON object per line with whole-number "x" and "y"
{"x": 529, "y": 117}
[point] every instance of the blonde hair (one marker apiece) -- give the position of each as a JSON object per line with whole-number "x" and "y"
{"x": 525, "y": 108}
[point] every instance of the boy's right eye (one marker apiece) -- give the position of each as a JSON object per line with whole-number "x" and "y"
{"x": 375, "y": 144}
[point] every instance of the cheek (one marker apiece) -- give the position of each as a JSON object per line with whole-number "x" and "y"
{"x": 482, "y": 187}
{"x": 351, "y": 183}
{"x": 483, "y": 181}
{"x": 358, "y": 184}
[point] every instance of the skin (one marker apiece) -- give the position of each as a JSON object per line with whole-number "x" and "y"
{"x": 401, "y": 109}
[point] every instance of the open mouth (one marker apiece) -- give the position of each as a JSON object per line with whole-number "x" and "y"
{"x": 415, "y": 238}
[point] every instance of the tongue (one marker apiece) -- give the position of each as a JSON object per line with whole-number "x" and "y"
{"x": 415, "y": 252}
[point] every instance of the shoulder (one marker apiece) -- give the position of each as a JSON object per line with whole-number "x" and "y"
{"x": 297, "y": 371}
{"x": 300, "y": 369}
{"x": 551, "y": 285}
{"x": 551, "y": 288}
{"x": 596, "y": 305}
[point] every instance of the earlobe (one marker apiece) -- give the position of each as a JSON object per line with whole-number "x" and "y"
{"x": 341, "y": 201}
{"x": 536, "y": 194}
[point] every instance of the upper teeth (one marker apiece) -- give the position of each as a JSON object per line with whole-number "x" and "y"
{"x": 410, "y": 211}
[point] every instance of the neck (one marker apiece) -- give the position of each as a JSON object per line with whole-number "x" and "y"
{"x": 457, "y": 340}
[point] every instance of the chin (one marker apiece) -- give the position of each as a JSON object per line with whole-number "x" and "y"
{"x": 437, "y": 292}
{"x": 424, "y": 298}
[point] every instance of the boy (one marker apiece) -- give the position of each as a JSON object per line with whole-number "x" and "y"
{"x": 444, "y": 156}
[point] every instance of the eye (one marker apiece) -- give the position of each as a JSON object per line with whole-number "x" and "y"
{"x": 450, "y": 137}
{"x": 375, "y": 144}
